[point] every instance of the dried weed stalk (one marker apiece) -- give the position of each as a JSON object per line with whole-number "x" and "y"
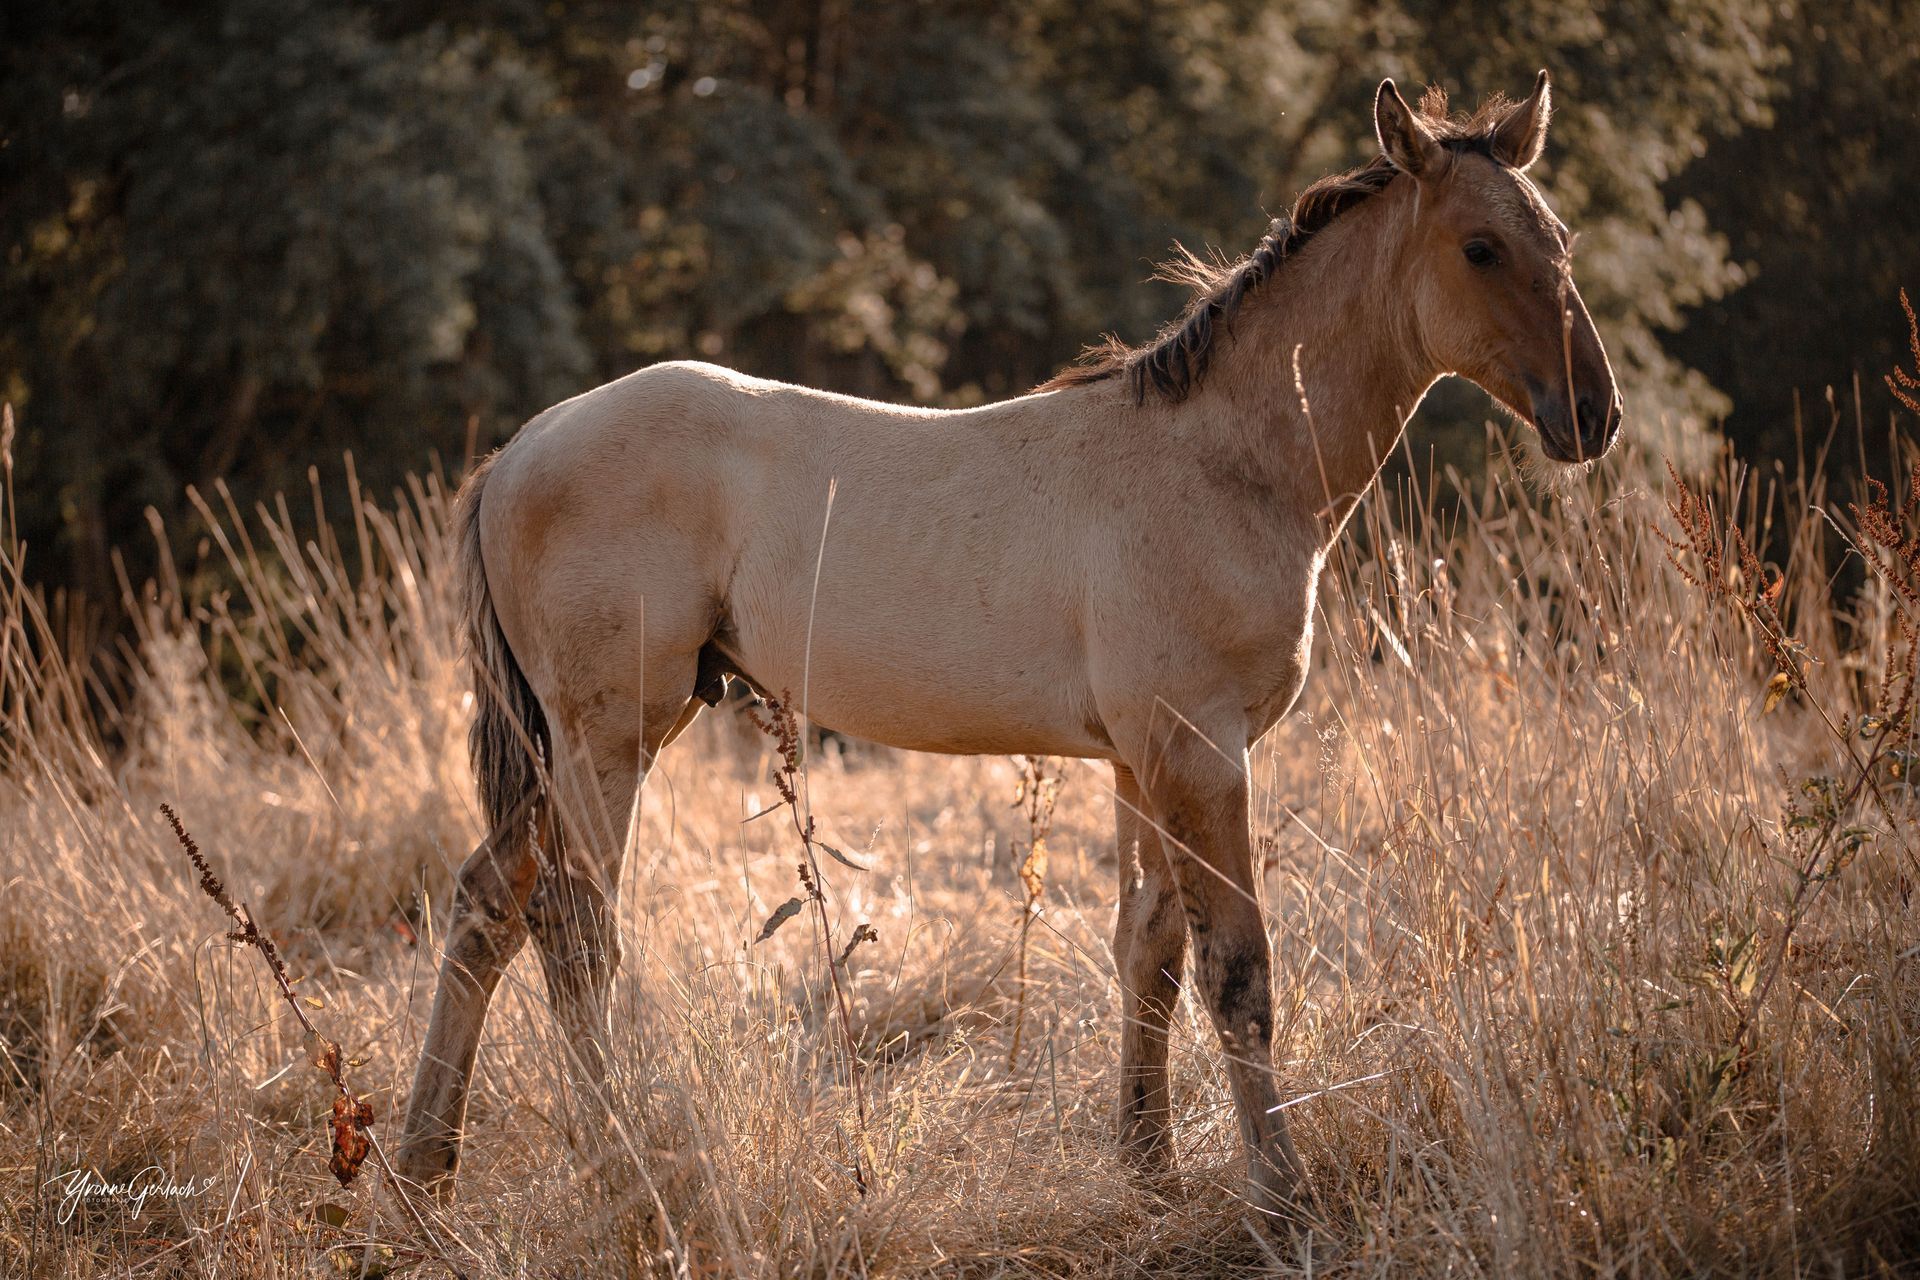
{"x": 1905, "y": 386}
{"x": 351, "y": 1121}
{"x": 1037, "y": 793}
{"x": 781, "y": 724}
{"x": 1821, "y": 831}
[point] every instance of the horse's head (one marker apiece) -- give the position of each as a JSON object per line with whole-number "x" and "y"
{"x": 1490, "y": 270}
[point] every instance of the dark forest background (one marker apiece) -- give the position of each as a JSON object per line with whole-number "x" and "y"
{"x": 240, "y": 239}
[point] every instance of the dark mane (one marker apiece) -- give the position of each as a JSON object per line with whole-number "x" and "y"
{"x": 1172, "y": 364}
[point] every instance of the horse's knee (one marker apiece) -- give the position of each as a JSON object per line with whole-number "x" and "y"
{"x": 572, "y": 922}
{"x": 488, "y": 924}
{"x": 1155, "y": 941}
{"x": 1234, "y": 965}
{"x": 497, "y": 878}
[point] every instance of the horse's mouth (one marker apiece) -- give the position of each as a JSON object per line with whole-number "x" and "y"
{"x": 1574, "y": 432}
{"x": 1554, "y": 442}
{"x": 1558, "y": 439}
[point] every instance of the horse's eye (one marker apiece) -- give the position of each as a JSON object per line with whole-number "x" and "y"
{"x": 1480, "y": 253}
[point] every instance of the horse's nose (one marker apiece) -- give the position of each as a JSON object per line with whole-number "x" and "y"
{"x": 1597, "y": 422}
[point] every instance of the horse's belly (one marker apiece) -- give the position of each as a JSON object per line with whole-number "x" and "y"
{"x": 924, "y": 719}
{"x": 931, "y": 681}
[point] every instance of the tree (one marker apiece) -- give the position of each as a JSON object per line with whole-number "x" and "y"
{"x": 266, "y": 231}
{"x": 243, "y": 237}
{"x": 1821, "y": 209}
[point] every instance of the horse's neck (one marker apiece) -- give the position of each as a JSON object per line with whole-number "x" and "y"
{"x": 1321, "y": 374}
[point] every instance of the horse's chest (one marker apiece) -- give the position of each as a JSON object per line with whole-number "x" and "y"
{"x": 1274, "y": 662}
{"x": 1272, "y": 687}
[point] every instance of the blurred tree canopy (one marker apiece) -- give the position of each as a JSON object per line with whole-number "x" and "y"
{"x": 242, "y": 237}
{"x": 1821, "y": 207}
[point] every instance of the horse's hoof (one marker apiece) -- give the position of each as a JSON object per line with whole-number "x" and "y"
{"x": 1285, "y": 1208}
{"x": 1159, "y": 1182}
{"x": 1149, "y": 1165}
{"x": 426, "y": 1174}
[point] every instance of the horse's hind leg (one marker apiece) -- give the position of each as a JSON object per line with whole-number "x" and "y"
{"x": 486, "y": 931}
{"x": 600, "y": 764}
{"x": 1150, "y": 950}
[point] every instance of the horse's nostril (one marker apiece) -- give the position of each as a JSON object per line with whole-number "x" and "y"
{"x": 1592, "y": 419}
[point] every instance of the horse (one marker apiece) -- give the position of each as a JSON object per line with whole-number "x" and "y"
{"x": 1120, "y": 566}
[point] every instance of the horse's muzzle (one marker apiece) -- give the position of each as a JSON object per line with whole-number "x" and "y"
{"x": 1580, "y": 433}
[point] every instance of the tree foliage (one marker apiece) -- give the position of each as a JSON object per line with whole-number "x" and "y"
{"x": 243, "y": 236}
{"x": 1821, "y": 209}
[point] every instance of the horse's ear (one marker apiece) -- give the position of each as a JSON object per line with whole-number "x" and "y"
{"x": 1403, "y": 138}
{"x": 1522, "y": 135}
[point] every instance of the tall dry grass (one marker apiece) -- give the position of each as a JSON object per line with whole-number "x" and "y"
{"x": 1574, "y": 977}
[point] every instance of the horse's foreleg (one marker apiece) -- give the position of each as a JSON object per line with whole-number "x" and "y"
{"x": 486, "y": 931}
{"x": 1150, "y": 950}
{"x": 1198, "y": 790}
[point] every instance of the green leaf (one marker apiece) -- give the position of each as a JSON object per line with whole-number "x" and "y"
{"x": 334, "y": 1215}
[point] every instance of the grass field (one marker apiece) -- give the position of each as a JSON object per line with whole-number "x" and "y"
{"x": 1590, "y": 886}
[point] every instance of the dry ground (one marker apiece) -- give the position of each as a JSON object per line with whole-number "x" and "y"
{"x": 1577, "y": 974}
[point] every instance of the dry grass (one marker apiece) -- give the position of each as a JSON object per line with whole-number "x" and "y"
{"x": 1558, "y": 996}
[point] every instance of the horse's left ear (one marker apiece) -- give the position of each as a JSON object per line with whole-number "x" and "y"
{"x": 1519, "y": 139}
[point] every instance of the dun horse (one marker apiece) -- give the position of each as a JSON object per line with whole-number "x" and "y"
{"x": 1119, "y": 566}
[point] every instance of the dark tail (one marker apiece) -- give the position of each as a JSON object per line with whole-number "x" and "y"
{"x": 508, "y": 725}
